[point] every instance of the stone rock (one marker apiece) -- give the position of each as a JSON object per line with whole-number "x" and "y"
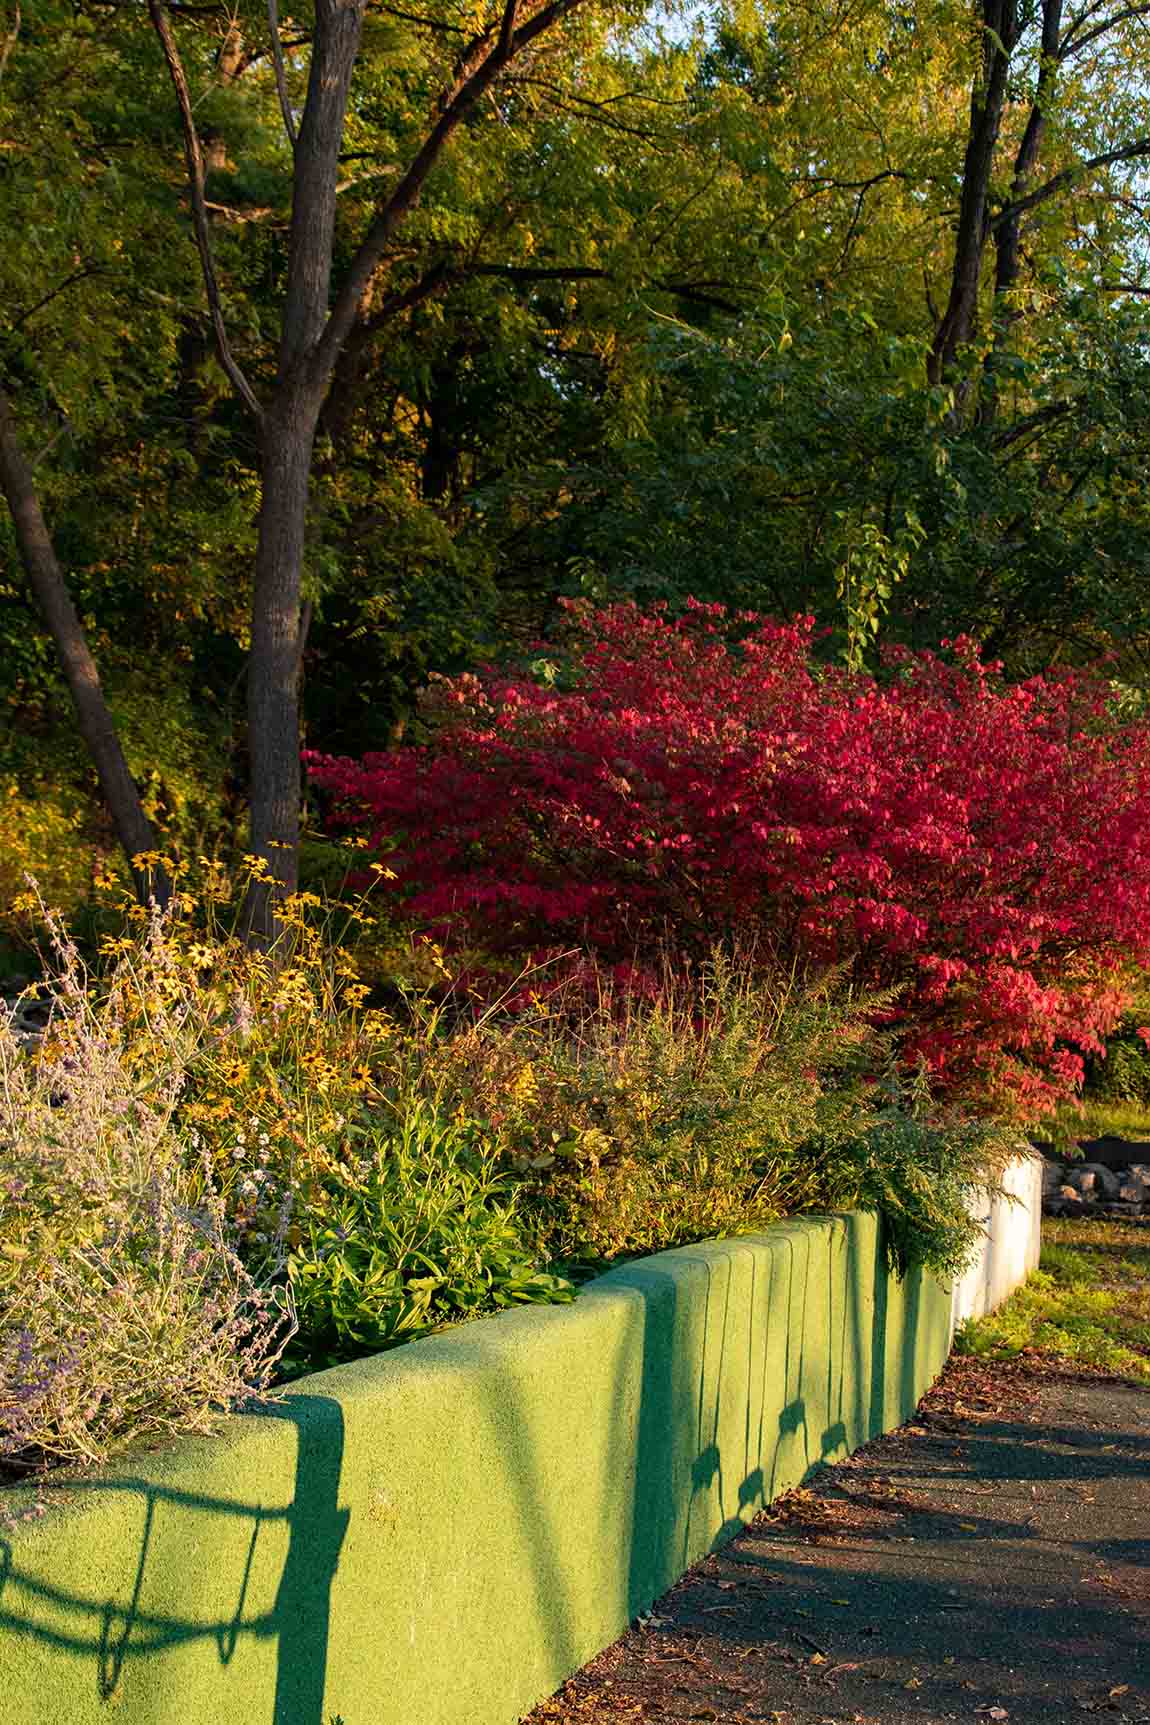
{"x": 1070, "y": 1195}
{"x": 1092, "y": 1177}
{"x": 1053, "y": 1176}
{"x": 1134, "y": 1192}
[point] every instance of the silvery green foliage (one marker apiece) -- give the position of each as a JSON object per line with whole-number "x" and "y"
{"x": 125, "y": 1312}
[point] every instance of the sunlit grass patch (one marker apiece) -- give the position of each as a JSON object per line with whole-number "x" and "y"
{"x": 1098, "y": 1119}
{"x": 1089, "y": 1302}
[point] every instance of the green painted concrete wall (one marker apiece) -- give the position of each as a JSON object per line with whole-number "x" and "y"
{"x": 440, "y": 1535}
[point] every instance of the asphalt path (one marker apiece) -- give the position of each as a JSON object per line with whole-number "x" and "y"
{"x": 990, "y": 1561}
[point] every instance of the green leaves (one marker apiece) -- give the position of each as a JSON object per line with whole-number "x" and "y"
{"x": 421, "y": 1231}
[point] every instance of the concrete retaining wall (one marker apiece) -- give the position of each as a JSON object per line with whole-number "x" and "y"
{"x": 443, "y": 1533}
{"x": 1012, "y": 1240}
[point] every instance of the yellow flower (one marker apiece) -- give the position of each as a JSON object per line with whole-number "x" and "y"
{"x": 526, "y": 1086}
{"x": 112, "y": 948}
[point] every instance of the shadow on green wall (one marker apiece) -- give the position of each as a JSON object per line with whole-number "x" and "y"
{"x": 807, "y": 1403}
{"x": 713, "y": 1413}
{"x": 112, "y": 1634}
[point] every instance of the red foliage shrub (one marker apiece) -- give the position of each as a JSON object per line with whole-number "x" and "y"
{"x": 704, "y": 780}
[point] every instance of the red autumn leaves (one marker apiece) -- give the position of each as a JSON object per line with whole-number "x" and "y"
{"x": 705, "y": 779}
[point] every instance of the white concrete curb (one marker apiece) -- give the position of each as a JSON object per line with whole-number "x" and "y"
{"x": 1011, "y": 1245}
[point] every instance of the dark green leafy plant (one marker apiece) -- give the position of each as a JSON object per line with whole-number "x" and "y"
{"x": 1124, "y": 1074}
{"x": 924, "y": 1171}
{"x": 421, "y": 1231}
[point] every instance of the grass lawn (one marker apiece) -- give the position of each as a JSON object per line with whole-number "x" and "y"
{"x": 1087, "y": 1303}
{"x": 1097, "y": 1120}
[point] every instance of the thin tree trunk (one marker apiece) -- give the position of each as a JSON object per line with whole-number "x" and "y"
{"x": 1000, "y": 33}
{"x": 287, "y": 442}
{"x": 97, "y": 727}
{"x": 1007, "y": 230}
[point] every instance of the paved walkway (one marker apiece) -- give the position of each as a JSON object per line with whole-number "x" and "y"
{"x": 988, "y": 1562}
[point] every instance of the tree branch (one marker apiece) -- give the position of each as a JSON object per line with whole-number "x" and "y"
{"x": 239, "y": 214}
{"x": 478, "y": 68}
{"x": 700, "y": 293}
{"x": 1070, "y": 46}
{"x": 535, "y": 273}
{"x": 54, "y": 293}
{"x": 340, "y": 403}
{"x": 195, "y": 160}
{"x": 438, "y": 25}
{"x": 507, "y": 28}
{"x": 1127, "y": 153}
{"x": 1032, "y": 422}
{"x": 569, "y": 102}
{"x": 281, "y": 74}
{"x": 10, "y": 40}
{"x": 50, "y": 590}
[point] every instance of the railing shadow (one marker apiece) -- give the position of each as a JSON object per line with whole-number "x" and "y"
{"x": 731, "y": 1374}
{"x": 112, "y": 1634}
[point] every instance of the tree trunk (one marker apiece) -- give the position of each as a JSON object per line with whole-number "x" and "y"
{"x": 1000, "y": 33}
{"x": 1008, "y": 227}
{"x": 274, "y": 663}
{"x": 314, "y": 331}
{"x": 97, "y": 727}
{"x": 287, "y": 441}
{"x": 439, "y": 466}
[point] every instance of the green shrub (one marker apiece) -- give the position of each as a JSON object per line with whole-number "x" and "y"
{"x": 637, "y": 1125}
{"x": 926, "y": 1172}
{"x": 417, "y": 1229}
{"x": 1124, "y": 1074}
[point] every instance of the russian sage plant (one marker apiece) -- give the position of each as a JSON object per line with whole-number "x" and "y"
{"x": 125, "y": 1312}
